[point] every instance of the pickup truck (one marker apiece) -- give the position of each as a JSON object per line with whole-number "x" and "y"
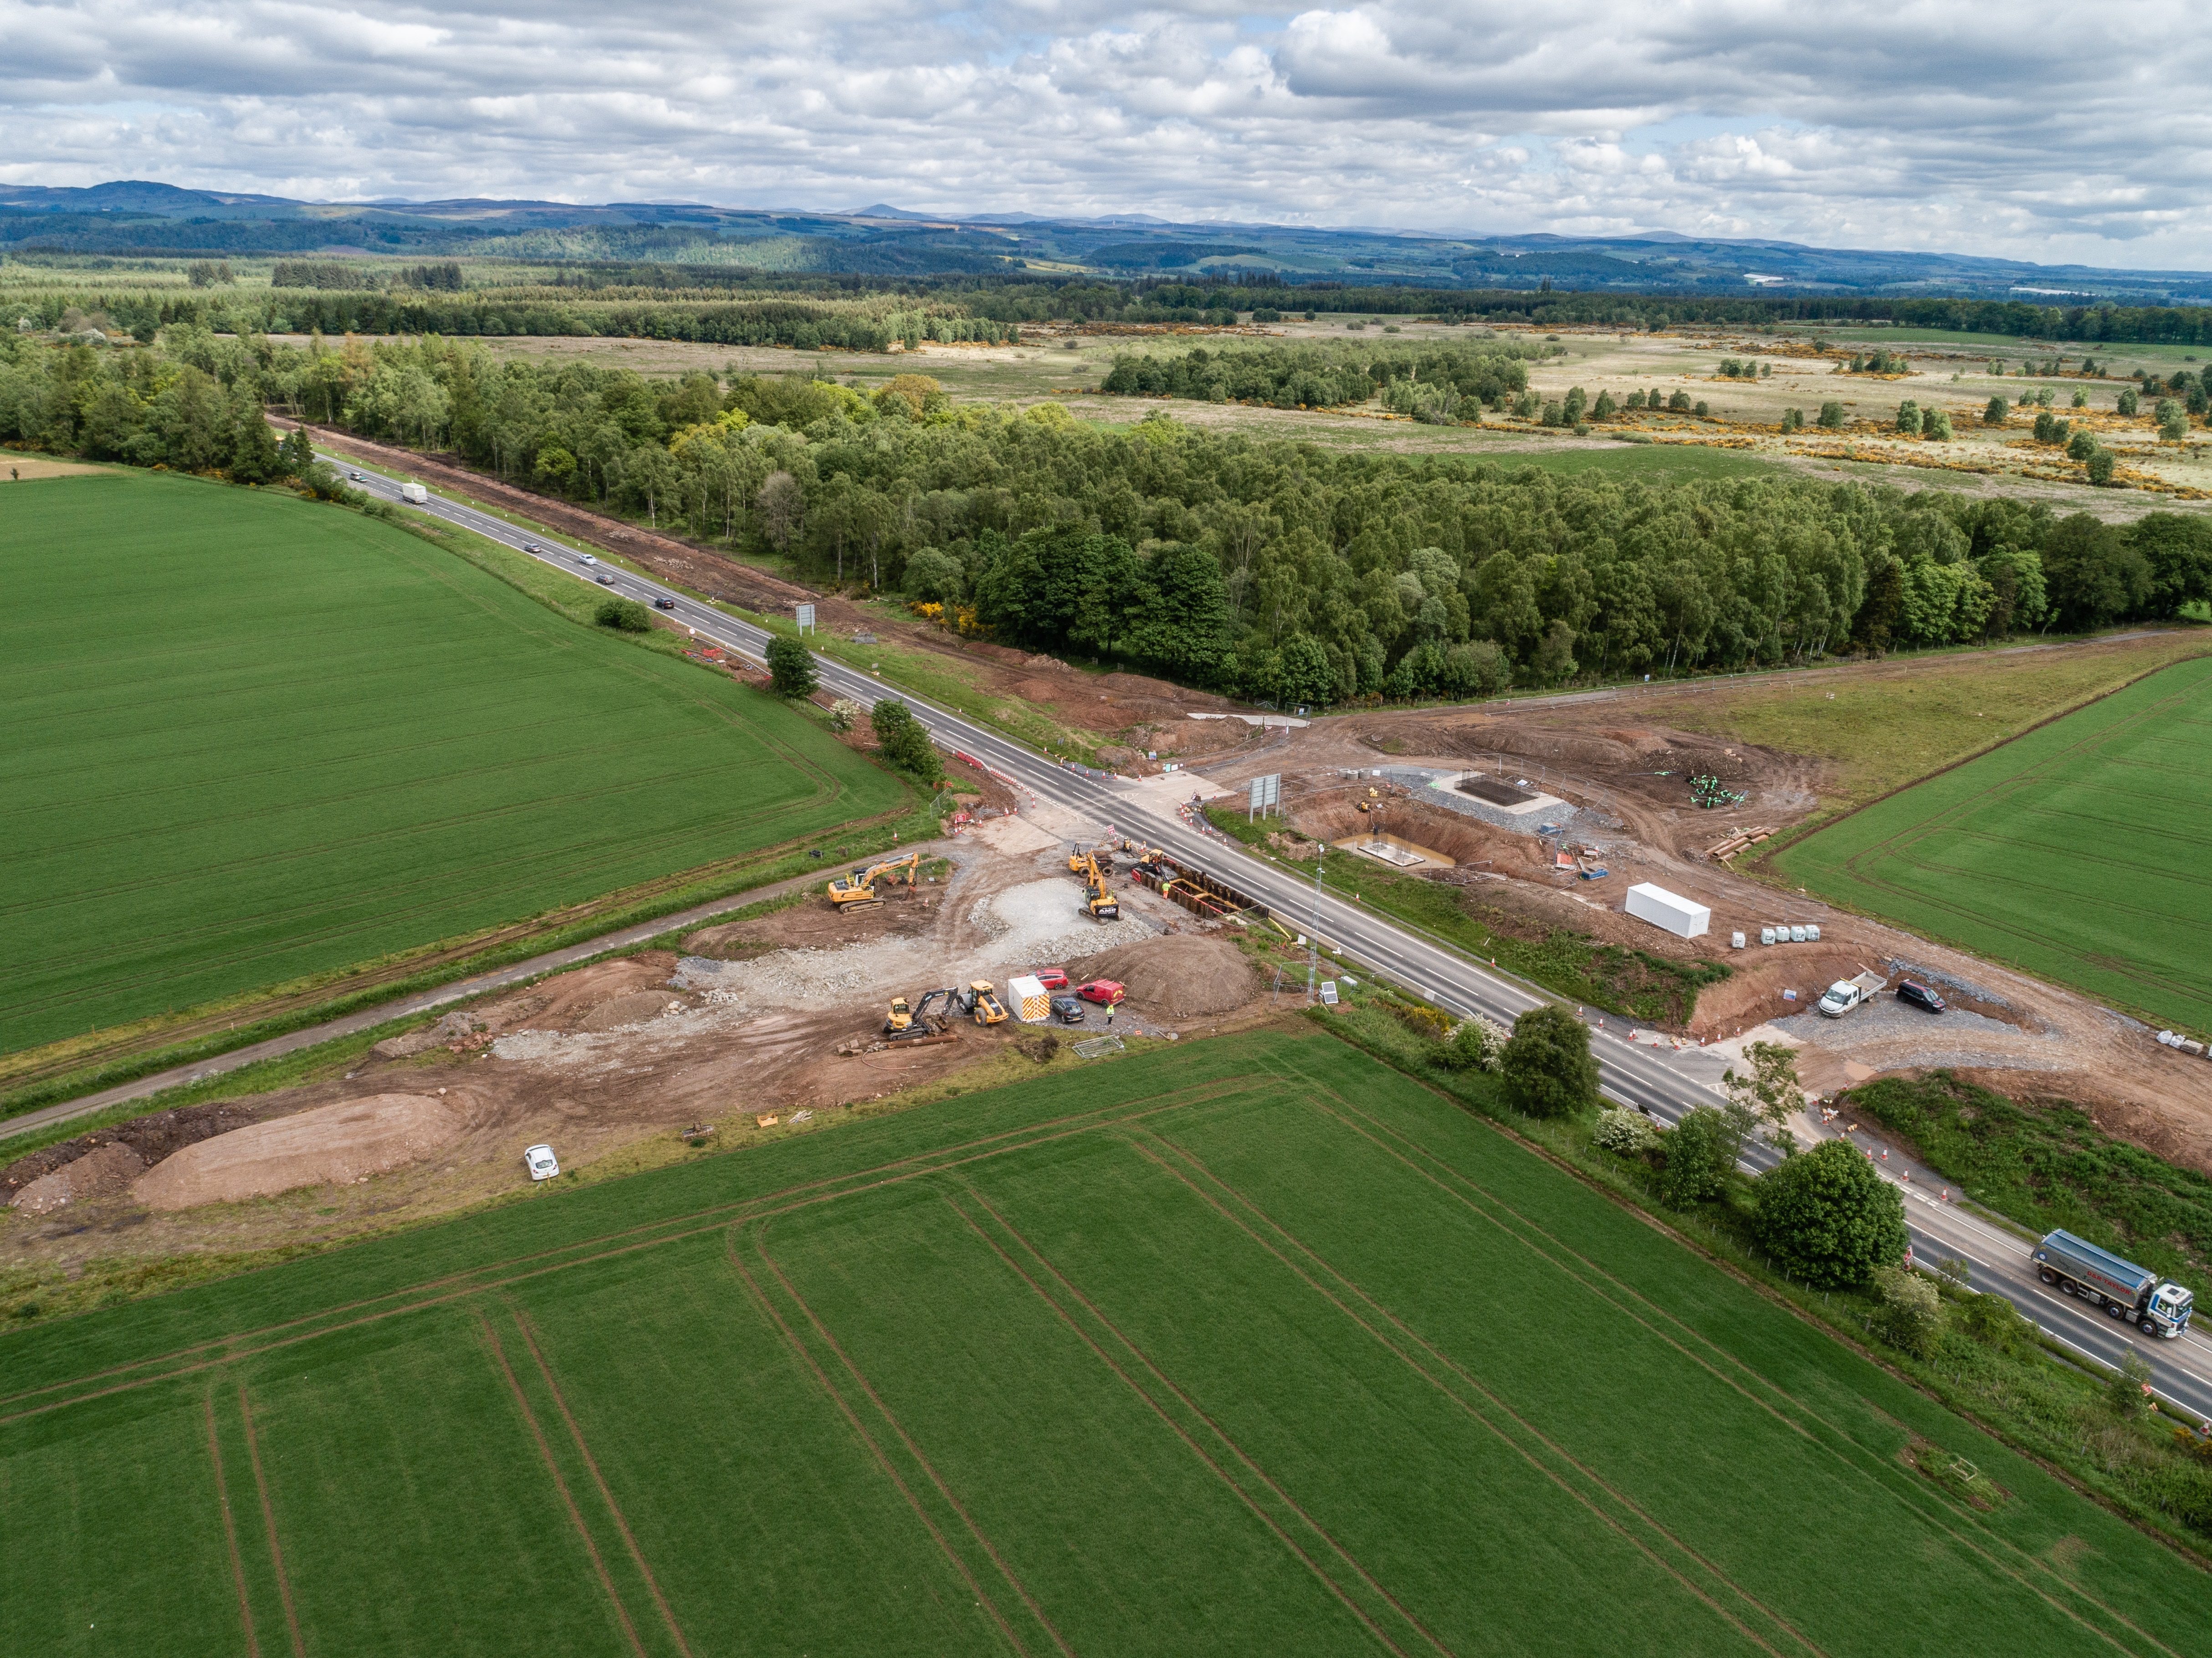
{"x": 1845, "y": 994}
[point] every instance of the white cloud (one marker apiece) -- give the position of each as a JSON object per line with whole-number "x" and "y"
{"x": 2028, "y": 129}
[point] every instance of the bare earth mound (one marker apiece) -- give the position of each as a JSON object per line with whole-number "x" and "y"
{"x": 1180, "y": 975}
{"x": 96, "y": 1175}
{"x": 332, "y": 1145}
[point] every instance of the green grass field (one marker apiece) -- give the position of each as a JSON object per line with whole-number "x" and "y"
{"x": 1254, "y": 1346}
{"x": 2071, "y": 851}
{"x": 252, "y": 738}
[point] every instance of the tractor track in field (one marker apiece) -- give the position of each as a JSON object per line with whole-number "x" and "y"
{"x": 230, "y": 1531}
{"x": 758, "y": 1231}
{"x": 859, "y": 1430}
{"x": 268, "y": 1518}
{"x": 560, "y": 1484}
{"x": 1184, "y": 1435}
{"x": 671, "y": 1230}
{"x": 2030, "y": 1573}
{"x": 606, "y": 1493}
{"x": 1596, "y": 1511}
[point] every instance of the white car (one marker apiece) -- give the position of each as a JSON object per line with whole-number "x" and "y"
{"x": 540, "y": 1162}
{"x": 586, "y": 559}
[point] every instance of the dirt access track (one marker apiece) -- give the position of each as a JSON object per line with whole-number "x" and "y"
{"x": 1624, "y": 771}
{"x": 633, "y": 1062}
{"x": 1134, "y": 713}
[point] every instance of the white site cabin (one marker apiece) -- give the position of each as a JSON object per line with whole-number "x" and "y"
{"x": 1654, "y": 904}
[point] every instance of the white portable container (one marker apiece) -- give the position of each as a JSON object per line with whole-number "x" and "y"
{"x": 1032, "y": 1003}
{"x": 415, "y": 492}
{"x": 1670, "y": 910}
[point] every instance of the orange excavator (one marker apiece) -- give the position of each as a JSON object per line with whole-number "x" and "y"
{"x": 856, "y": 891}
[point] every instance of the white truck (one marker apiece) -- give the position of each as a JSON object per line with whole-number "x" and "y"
{"x": 415, "y": 492}
{"x": 1845, "y": 994}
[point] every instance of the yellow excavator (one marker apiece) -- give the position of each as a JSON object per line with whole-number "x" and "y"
{"x": 857, "y": 891}
{"x": 916, "y": 1022}
{"x": 1103, "y": 904}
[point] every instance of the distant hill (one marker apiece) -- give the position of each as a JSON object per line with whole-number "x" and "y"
{"x": 139, "y": 216}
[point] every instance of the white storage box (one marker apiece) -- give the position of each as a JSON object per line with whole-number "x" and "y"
{"x": 1647, "y": 902}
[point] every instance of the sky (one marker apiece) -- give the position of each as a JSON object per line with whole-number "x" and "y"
{"x": 2028, "y": 129}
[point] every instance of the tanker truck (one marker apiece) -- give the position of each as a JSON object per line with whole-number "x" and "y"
{"x": 2123, "y": 1289}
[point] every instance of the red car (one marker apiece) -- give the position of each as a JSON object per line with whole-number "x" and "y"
{"x": 1052, "y": 978}
{"x": 1104, "y": 992}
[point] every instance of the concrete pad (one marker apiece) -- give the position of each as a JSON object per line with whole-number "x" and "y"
{"x": 1015, "y": 836}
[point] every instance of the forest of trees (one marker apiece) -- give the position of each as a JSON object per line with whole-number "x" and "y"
{"x": 1324, "y": 375}
{"x": 334, "y": 299}
{"x": 1274, "y": 569}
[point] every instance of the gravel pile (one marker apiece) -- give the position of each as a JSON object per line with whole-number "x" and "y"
{"x": 1043, "y": 922}
{"x": 809, "y": 980}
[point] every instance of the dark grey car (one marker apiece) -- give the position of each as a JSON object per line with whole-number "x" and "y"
{"x": 1913, "y": 990}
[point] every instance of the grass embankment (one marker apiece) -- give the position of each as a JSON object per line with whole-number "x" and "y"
{"x": 2048, "y": 1166}
{"x": 1114, "y": 1361}
{"x": 1633, "y": 983}
{"x": 326, "y": 742}
{"x": 2072, "y": 852}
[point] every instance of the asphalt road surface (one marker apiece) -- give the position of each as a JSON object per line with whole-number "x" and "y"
{"x": 1632, "y": 1075}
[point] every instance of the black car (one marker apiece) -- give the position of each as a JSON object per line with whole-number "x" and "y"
{"x": 1913, "y": 990}
{"x": 664, "y": 604}
{"x": 1067, "y": 1009}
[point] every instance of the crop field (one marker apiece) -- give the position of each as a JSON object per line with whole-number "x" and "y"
{"x": 252, "y": 738}
{"x": 1255, "y": 1346}
{"x": 2075, "y": 852}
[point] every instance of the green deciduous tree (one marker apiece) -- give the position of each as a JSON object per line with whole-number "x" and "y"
{"x": 1908, "y": 1313}
{"x": 1699, "y": 1157}
{"x": 790, "y": 668}
{"x": 1828, "y": 1218}
{"x": 622, "y": 615}
{"x": 904, "y": 743}
{"x": 1996, "y": 412}
{"x": 1548, "y": 1068}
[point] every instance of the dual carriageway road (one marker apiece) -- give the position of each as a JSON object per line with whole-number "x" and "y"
{"x": 1632, "y": 1075}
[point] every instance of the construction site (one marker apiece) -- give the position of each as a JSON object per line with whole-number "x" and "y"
{"x": 924, "y": 972}
{"x": 1545, "y": 815}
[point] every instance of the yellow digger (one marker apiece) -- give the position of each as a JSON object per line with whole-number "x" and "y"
{"x": 852, "y": 893}
{"x": 917, "y": 1024}
{"x": 1103, "y": 905}
{"x": 1081, "y": 861}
